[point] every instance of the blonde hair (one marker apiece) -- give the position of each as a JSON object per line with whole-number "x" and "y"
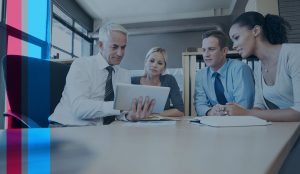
{"x": 160, "y": 50}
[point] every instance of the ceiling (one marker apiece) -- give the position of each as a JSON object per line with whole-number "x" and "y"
{"x": 135, "y": 11}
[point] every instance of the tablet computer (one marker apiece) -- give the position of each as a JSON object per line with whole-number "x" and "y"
{"x": 126, "y": 92}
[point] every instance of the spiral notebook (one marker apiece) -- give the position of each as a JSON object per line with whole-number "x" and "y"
{"x": 126, "y": 92}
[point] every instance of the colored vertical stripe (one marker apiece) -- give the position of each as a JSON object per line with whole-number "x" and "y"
{"x": 14, "y": 139}
{"x": 14, "y": 152}
{"x": 37, "y": 18}
{"x": 32, "y": 17}
{"x": 38, "y": 82}
{"x": 14, "y": 13}
{"x": 38, "y": 151}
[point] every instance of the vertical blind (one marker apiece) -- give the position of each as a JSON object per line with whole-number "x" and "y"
{"x": 290, "y": 11}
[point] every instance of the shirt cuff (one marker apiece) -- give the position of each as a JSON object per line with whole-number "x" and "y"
{"x": 108, "y": 108}
{"x": 122, "y": 116}
{"x": 206, "y": 113}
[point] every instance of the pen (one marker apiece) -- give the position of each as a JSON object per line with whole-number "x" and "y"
{"x": 196, "y": 121}
{"x": 162, "y": 119}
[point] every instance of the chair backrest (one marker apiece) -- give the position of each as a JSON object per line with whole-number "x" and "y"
{"x": 34, "y": 86}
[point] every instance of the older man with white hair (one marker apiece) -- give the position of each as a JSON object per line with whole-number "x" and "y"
{"x": 88, "y": 96}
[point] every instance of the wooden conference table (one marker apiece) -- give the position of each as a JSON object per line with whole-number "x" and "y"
{"x": 176, "y": 147}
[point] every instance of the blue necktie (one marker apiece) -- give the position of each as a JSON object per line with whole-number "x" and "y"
{"x": 109, "y": 94}
{"x": 219, "y": 89}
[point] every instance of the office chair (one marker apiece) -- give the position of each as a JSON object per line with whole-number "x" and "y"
{"x": 34, "y": 88}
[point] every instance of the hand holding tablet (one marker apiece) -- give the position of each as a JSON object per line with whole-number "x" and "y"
{"x": 126, "y": 93}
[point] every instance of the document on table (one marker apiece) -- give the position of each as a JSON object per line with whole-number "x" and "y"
{"x": 230, "y": 121}
{"x": 154, "y": 120}
{"x": 157, "y": 117}
{"x": 149, "y": 123}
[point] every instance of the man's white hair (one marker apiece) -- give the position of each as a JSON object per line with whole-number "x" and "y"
{"x": 107, "y": 28}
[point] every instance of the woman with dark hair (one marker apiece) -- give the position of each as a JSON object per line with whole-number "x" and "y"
{"x": 277, "y": 79}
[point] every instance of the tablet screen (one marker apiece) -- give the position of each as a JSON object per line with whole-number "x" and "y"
{"x": 126, "y": 92}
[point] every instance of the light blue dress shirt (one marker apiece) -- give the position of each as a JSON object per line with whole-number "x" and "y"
{"x": 237, "y": 79}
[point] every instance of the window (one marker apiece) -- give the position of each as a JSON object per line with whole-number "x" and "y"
{"x": 58, "y": 53}
{"x": 14, "y": 15}
{"x": 1, "y": 2}
{"x": 69, "y": 38}
{"x": 62, "y": 15}
{"x": 27, "y": 34}
{"x": 62, "y": 36}
{"x": 35, "y": 11}
{"x": 35, "y": 51}
{"x": 80, "y": 28}
{"x": 81, "y": 46}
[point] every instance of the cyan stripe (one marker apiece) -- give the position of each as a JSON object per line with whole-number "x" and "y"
{"x": 37, "y": 18}
{"x": 39, "y": 82}
{"x": 38, "y": 151}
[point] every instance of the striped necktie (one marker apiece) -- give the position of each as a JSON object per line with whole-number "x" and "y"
{"x": 109, "y": 90}
{"x": 109, "y": 94}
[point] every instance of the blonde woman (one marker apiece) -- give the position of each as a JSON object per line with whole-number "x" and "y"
{"x": 155, "y": 66}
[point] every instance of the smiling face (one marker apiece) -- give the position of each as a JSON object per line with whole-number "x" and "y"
{"x": 155, "y": 65}
{"x": 213, "y": 55}
{"x": 243, "y": 40}
{"x": 113, "y": 49}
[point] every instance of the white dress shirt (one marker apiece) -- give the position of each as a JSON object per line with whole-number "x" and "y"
{"x": 82, "y": 101}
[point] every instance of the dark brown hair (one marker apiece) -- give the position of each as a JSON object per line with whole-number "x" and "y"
{"x": 221, "y": 36}
{"x": 274, "y": 27}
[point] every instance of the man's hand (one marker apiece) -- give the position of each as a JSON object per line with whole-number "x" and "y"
{"x": 139, "y": 109}
{"x": 217, "y": 110}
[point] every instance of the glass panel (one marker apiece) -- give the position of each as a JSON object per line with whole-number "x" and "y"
{"x": 12, "y": 50}
{"x": 14, "y": 14}
{"x": 81, "y": 47}
{"x": 57, "y": 54}
{"x": 29, "y": 16}
{"x": 61, "y": 36}
{"x": 1, "y": 10}
{"x": 34, "y": 18}
{"x": 62, "y": 15}
{"x": 80, "y": 28}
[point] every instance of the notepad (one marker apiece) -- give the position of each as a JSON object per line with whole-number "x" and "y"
{"x": 232, "y": 121}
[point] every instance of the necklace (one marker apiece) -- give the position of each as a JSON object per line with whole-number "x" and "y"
{"x": 265, "y": 68}
{"x": 269, "y": 82}
{"x": 268, "y": 77}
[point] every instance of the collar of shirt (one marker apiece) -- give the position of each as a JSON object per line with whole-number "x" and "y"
{"x": 222, "y": 71}
{"x": 102, "y": 63}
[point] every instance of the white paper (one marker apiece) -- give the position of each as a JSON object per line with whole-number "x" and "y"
{"x": 149, "y": 123}
{"x": 232, "y": 121}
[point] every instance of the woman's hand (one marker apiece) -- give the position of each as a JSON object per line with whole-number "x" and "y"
{"x": 235, "y": 109}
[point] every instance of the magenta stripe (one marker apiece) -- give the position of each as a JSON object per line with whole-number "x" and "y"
{"x": 14, "y": 137}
